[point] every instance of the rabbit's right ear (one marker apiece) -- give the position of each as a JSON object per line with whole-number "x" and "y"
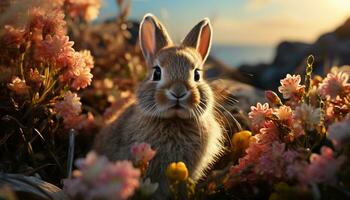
{"x": 200, "y": 38}
{"x": 153, "y": 37}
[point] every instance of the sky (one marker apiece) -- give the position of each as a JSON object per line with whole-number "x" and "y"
{"x": 244, "y": 22}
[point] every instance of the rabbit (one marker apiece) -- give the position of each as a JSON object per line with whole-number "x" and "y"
{"x": 174, "y": 106}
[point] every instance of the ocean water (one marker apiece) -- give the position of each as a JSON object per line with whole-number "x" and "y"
{"x": 244, "y": 54}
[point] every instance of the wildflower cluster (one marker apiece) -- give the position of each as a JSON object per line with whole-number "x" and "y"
{"x": 41, "y": 75}
{"x": 98, "y": 178}
{"x": 298, "y": 142}
{"x": 42, "y": 62}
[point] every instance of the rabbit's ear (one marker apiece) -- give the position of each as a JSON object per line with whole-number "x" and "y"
{"x": 200, "y": 38}
{"x": 153, "y": 37}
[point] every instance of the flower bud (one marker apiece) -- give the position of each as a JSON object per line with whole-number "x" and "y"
{"x": 177, "y": 171}
{"x": 142, "y": 152}
{"x": 273, "y": 98}
{"x": 240, "y": 140}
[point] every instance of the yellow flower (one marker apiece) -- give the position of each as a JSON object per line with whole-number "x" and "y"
{"x": 177, "y": 171}
{"x": 240, "y": 140}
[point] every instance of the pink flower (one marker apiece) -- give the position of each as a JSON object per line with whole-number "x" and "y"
{"x": 259, "y": 115}
{"x": 57, "y": 50}
{"x": 142, "y": 152}
{"x": 70, "y": 107}
{"x": 79, "y": 72}
{"x": 269, "y": 162}
{"x": 268, "y": 133}
{"x": 334, "y": 85}
{"x": 97, "y": 178}
{"x": 74, "y": 121}
{"x": 82, "y": 79}
{"x": 70, "y": 110}
{"x": 290, "y": 86}
{"x": 18, "y": 86}
{"x": 268, "y": 159}
{"x": 129, "y": 176}
{"x": 36, "y": 23}
{"x": 339, "y": 131}
{"x": 88, "y": 59}
{"x": 272, "y": 163}
{"x": 308, "y": 116}
{"x": 322, "y": 168}
{"x": 85, "y": 122}
{"x": 13, "y": 37}
{"x": 88, "y": 9}
{"x": 285, "y": 114}
{"x": 253, "y": 153}
{"x": 92, "y": 162}
{"x": 43, "y": 22}
{"x": 294, "y": 165}
{"x": 330, "y": 115}
{"x": 54, "y": 23}
{"x": 36, "y": 15}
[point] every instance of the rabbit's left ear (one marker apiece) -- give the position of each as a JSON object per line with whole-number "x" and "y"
{"x": 200, "y": 38}
{"x": 153, "y": 37}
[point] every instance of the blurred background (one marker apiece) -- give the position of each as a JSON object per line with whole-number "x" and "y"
{"x": 245, "y": 31}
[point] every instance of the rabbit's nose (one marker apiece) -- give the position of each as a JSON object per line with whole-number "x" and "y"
{"x": 178, "y": 91}
{"x": 178, "y": 96}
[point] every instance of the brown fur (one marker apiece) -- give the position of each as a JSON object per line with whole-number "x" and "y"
{"x": 192, "y": 134}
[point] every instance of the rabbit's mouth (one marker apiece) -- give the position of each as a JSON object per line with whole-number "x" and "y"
{"x": 177, "y": 106}
{"x": 177, "y": 110}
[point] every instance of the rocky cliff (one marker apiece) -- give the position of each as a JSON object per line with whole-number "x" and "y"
{"x": 329, "y": 49}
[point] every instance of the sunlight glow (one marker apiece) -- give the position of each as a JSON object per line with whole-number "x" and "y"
{"x": 342, "y": 4}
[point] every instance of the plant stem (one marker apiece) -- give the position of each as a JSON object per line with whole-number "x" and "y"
{"x": 42, "y": 98}
{"x": 308, "y": 73}
{"x": 21, "y": 70}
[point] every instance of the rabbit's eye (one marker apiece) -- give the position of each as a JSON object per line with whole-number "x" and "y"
{"x": 156, "y": 73}
{"x": 197, "y": 75}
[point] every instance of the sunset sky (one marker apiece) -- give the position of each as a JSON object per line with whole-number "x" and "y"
{"x": 244, "y": 22}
